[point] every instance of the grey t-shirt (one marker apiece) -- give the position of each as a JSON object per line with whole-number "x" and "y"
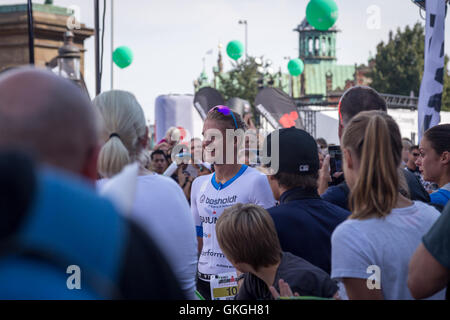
{"x": 387, "y": 243}
{"x": 302, "y": 276}
{"x": 437, "y": 241}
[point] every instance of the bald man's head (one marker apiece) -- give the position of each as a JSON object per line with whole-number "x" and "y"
{"x": 48, "y": 116}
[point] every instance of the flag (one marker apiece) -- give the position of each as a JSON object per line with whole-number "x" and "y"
{"x": 278, "y": 108}
{"x": 207, "y": 98}
{"x": 430, "y": 97}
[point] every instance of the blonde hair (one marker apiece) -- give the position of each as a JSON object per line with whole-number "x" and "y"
{"x": 374, "y": 137}
{"x": 227, "y": 120}
{"x": 246, "y": 234}
{"x": 123, "y": 128}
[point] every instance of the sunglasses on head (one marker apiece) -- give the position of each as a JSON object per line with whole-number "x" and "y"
{"x": 226, "y": 112}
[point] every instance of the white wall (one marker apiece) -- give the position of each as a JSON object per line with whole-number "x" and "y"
{"x": 327, "y": 123}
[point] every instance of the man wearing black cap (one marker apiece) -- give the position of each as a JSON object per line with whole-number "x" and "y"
{"x": 304, "y": 221}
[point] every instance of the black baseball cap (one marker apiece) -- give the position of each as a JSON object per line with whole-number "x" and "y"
{"x": 298, "y": 151}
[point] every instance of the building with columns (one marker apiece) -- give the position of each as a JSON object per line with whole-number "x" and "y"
{"x": 323, "y": 78}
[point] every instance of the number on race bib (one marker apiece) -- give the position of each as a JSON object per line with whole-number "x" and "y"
{"x": 224, "y": 286}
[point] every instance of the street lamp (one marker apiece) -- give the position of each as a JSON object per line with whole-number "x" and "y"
{"x": 244, "y": 22}
{"x": 265, "y": 70}
{"x": 69, "y": 59}
{"x": 67, "y": 63}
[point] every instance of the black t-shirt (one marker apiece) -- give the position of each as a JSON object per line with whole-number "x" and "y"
{"x": 302, "y": 277}
{"x": 416, "y": 189}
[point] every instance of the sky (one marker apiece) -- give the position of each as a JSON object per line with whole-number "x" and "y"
{"x": 169, "y": 38}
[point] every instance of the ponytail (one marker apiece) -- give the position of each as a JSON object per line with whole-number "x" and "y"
{"x": 123, "y": 129}
{"x": 112, "y": 158}
{"x": 375, "y": 138}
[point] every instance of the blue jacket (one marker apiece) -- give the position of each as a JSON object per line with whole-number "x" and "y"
{"x": 304, "y": 224}
{"x": 440, "y": 197}
{"x": 67, "y": 224}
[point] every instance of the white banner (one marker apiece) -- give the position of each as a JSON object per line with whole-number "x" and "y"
{"x": 430, "y": 97}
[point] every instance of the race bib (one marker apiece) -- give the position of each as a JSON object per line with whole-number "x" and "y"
{"x": 224, "y": 286}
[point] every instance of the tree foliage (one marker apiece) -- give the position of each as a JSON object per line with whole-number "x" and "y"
{"x": 399, "y": 64}
{"x": 241, "y": 81}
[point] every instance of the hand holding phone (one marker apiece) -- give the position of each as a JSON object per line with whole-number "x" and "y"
{"x": 335, "y": 164}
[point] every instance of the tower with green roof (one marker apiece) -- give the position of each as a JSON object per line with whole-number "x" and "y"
{"x": 323, "y": 80}
{"x": 322, "y": 75}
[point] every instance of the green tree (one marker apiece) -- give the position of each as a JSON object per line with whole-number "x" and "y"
{"x": 241, "y": 81}
{"x": 399, "y": 64}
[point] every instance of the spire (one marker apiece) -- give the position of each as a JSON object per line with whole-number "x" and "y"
{"x": 219, "y": 60}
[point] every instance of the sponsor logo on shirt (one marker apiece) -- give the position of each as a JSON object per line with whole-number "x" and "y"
{"x": 226, "y": 279}
{"x": 208, "y": 220}
{"x": 202, "y": 198}
{"x": 211, "y": 253}
{"x": 206, "y": 235}
{"x": 226, "y": 200}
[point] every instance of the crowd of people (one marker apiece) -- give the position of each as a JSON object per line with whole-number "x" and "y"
{"x": 378, "y": 228}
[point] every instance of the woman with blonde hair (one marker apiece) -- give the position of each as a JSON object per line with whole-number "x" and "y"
{"x": 371, "y": 250}
{"x": 160, "y": 206}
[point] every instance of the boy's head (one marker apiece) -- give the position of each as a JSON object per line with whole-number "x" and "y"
{"x": 358, "y": 99}
{"x": 413, "y": 155}
{"x": 406, "y": 144}
{"x": 248, "y": 238}
{"x": 159, "y": 161}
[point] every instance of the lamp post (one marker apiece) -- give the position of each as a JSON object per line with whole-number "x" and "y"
{"x": 67, "y": 63}
{"x": 69, "y": 59}
{"x": 112, "y": 44}
{"x": 30, "y": 31}
{"x": 98, "y": 80}
{"x": 244, "y": 22}
{"x": 264, "y": 69}
{"x": 260, "y": 70}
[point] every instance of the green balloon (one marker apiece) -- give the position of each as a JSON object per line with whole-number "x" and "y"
{"x": 235, "y": 49}
{"x": 322, "y": 14}
{"x": 295, "y": 67}
{"x": 123, "y": 57}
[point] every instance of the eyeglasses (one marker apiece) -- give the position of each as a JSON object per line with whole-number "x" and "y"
{"x": 225, "y": 111}
{"x": 416, "y": 154}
